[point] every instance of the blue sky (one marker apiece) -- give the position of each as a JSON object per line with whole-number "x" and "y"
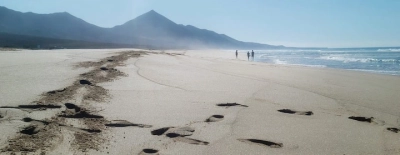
{"x": 301, "y": 23}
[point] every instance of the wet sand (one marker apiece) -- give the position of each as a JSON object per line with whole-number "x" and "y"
{"x": 190, "y": 102}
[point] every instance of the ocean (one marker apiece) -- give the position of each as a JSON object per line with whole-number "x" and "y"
{"x": 374, "y": 60}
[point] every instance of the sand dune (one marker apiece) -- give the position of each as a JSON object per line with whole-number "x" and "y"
{"x": 132, "y": 101}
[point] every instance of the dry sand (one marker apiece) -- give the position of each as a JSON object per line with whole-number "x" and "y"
{"x": 190, "y": 102}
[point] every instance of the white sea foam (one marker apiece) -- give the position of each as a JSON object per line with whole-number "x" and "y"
{"x": 317, "y": 66}
{"x": 265, "y": 56}
{"x": 347, "y": 59}
{"x": 389, "y": 60}
{"x": 389, "y": 50}
{"x": 281, "y": 62}
{"x": 377, "y": 71}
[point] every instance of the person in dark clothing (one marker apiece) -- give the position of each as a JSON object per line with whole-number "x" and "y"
{"x": 248, "y": 55}
{"x": 252, "y": 54}
{"x": 236, "y": 54}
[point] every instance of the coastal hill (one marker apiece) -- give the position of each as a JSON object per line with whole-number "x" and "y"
{"x": 56, "y": 25}
{"x": 148, "y": 30}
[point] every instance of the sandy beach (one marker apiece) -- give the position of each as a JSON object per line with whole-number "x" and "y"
{"x": 132, "y": 101}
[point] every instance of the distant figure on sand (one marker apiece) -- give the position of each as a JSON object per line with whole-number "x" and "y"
{"x": 248, "y": 55}
{"x": 236, "y": 54}
{"x": 252, "y": 54}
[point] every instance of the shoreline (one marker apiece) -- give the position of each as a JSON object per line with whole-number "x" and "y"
{"x": 274, "y": 57}
{"x": 229, "y": 54}
{"x": 342, "y": 69}
{"x": 197, "y": 102}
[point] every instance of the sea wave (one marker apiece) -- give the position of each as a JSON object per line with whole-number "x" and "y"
{"x": 363, "y": 60}
{"x": 317, "y": 66}
{"x": 265, "y": 56}
{"x": 389, "y": 50}
{"x": 281, "y": 62}
{"x": 377, "y": 71}
{"x": 345, "y": 59}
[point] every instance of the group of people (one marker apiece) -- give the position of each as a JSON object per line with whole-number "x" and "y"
{"x": 248, "y": 54}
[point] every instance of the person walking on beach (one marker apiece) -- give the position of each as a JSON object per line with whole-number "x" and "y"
{"x": 236, "y": 54}
{"x": 248, "y": 55}
{"x": 252, "y": 54}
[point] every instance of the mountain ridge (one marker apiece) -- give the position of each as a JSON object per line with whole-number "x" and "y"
{"x": 149, "y": 29}
{"x": 54, "y": 25}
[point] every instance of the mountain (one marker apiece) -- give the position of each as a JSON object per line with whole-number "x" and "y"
{"x": 56, "y": 25}
{"x": 149, "y": 29}
{"x": 152, "y": 27}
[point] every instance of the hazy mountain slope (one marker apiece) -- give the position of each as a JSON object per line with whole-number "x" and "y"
{"x": 152, "y": 27}
{"x": 34, "y": 42}
{"x": 56, "y": 25}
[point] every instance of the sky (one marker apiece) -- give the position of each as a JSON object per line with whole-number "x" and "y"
{"x": 295, "y": 23}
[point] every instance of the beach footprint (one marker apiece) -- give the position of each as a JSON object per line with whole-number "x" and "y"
{"x": 34, "y": 127}
{"x": 85, "y": 82}
{"x": 124, "y": 123}
{"x": 81, "y": 130}
{"x": 190, "y": 141}
{"x": 367, "y": 120}
{"x": 149, "y": 151}
{"x": 56, "y": 91}
{"x": 37, "y": 125}
{"x": 80, "y": 114}
{"x": 262, "y": 143}
{"x": 77, "y": 112}
{"x": 103, "y": 68}
{"x": 362, "y": 119}
{"x": 182, "y": 131}
{"x": 72, "y": 106}
{"x": 227, "y": 105}
{"x": 160, "y": 131}
{"x": 215, "y": 118}
{"x": 31, "y": 129}
{"x": 395, "y": 130}
{"x": 33, "y": 106}
{"x": 179, "y": 134}
{"x": 289, "y": 111}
